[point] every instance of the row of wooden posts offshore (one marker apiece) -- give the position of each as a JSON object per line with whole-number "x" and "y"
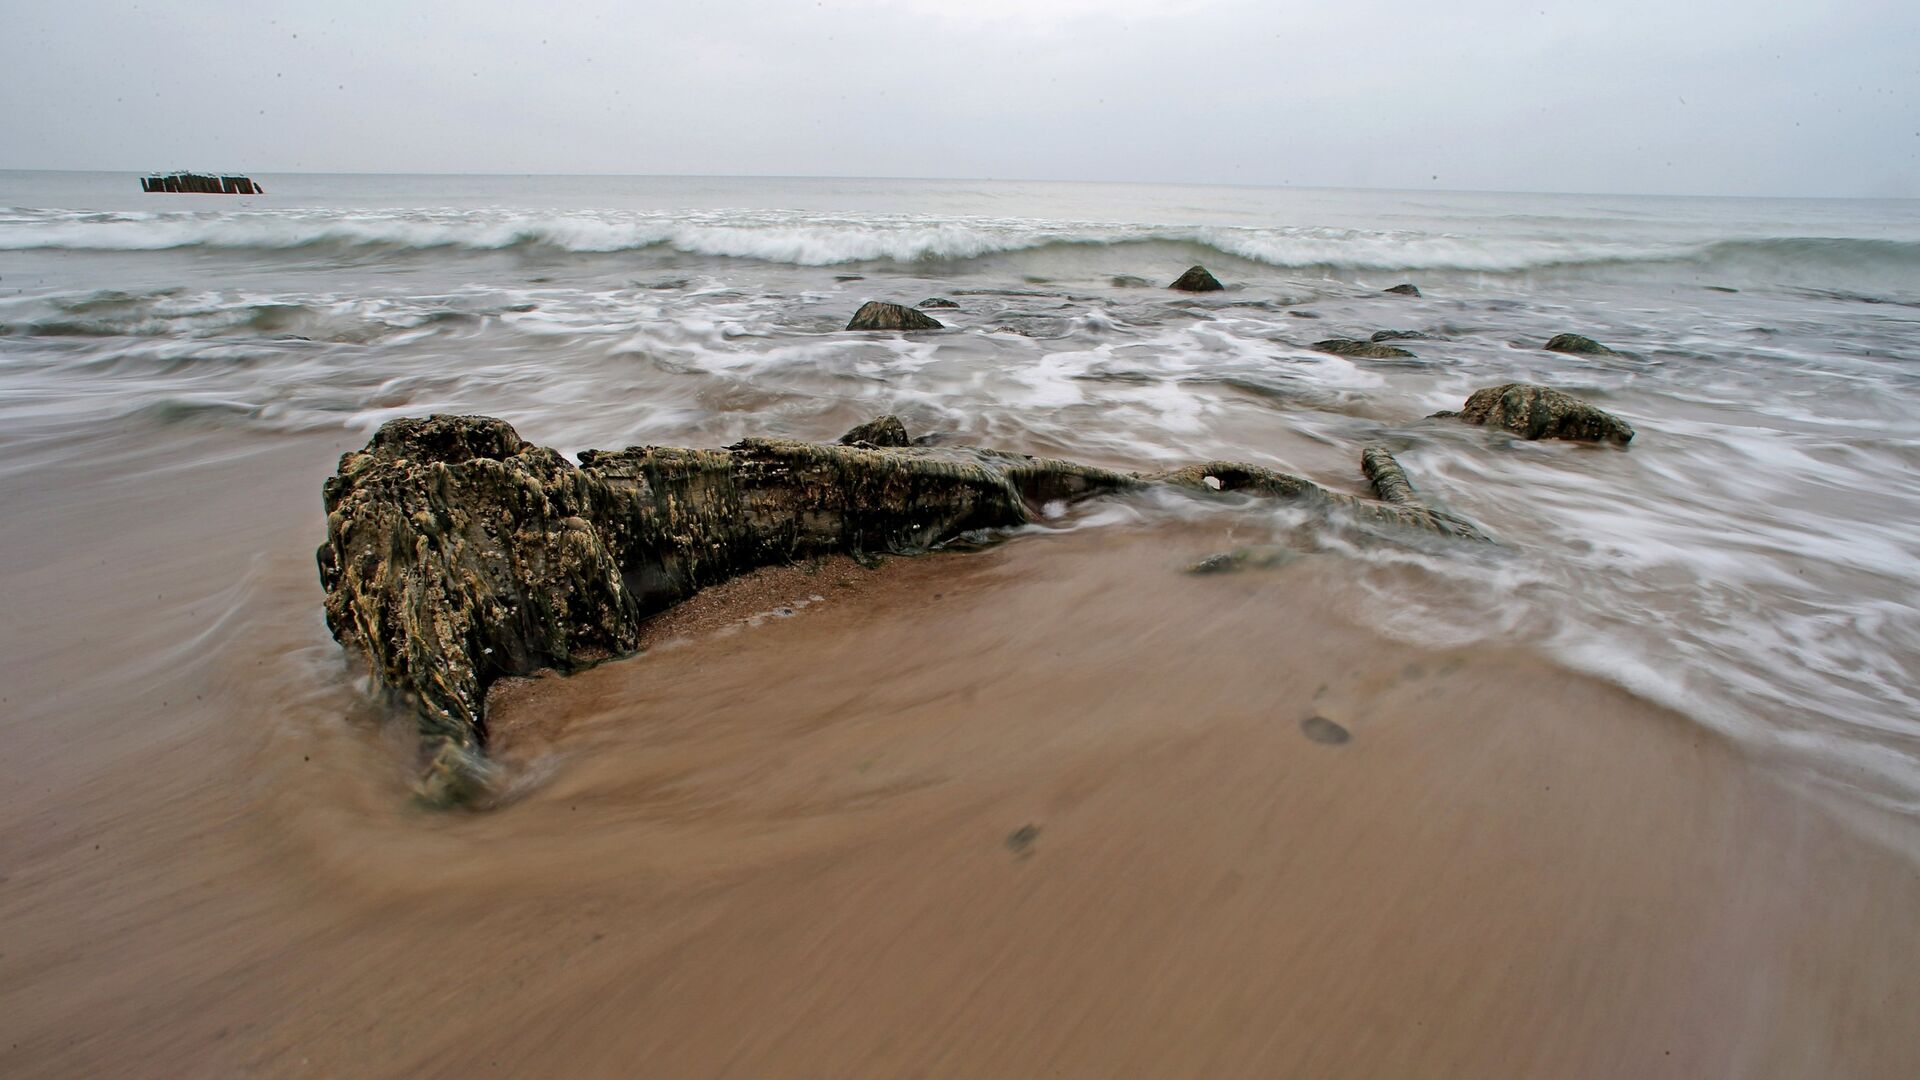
{"x": 202, "y": 184}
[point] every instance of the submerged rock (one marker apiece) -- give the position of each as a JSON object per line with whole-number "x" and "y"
{"x": 938, "y": 302}
{"x": 1324, "y": 731}
{"x": 1364, "y": 350}
{"x": 457, "y": 553}
{"x": 1020, "y": 841}
{"x": 1197, "y": 279}
{"x": 1577, "y": 345}
{"x": 880, "y": 315}
{"x": 880, "y": 431}
{"x": 1404, "y": 289}
{"x": 1398, "y": 335}
{"x": 1539, "y": 412}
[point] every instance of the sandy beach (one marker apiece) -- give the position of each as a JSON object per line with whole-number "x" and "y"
{"x": 1044, "y": 809}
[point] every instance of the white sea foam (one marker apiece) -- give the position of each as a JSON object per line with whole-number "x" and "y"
{"x": 813, "y": 239}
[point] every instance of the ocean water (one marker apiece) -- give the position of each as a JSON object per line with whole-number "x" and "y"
{"x": 1752, "y": 561}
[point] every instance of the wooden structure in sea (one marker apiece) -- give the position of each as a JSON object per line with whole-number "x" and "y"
{"x": 201, "y": 183}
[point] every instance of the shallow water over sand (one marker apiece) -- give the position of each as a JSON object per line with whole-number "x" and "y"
{"x": 1630, "y": 793}
{"x": 1046, "y": 807}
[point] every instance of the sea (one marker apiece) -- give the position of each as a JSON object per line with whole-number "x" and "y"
{"x": 1750, "y": 562}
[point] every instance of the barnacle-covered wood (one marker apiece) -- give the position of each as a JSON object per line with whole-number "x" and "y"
{"x": 458, "y": 553}
{"x": 1399, "y": 508}
{"x": 1390, "y": 482}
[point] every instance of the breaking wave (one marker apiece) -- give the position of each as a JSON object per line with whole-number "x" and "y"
{"x": 811, "y": 239}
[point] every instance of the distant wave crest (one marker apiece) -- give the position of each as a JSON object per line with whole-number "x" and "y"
{"x": 803, "y": 239}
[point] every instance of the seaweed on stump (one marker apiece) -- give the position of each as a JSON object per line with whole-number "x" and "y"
{"x": 457, "y": 553}
{"x": 880, "y": 431}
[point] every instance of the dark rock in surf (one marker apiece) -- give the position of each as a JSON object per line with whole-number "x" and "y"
{"x": 938, "y": 302}
{"x": 1197, "y": 279}
{"x": 1538, "y": 412}
{"x": 1577, "y": 345}
{"x": 458, "y": 554}
{"x": 1128, "y": 281}
{"x": 880, "y": 431}
{"x": 1406, "y": 289}
{"x": 1398, "y": 335}
{"x": 1364, "y": 350}
{"x": 880, "y": 315}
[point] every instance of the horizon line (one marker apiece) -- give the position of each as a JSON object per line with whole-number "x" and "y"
{"x": 1282, "y": 186}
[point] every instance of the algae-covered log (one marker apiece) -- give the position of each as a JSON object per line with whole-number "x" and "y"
{"x": 1390, "y": 482}
{"x": 1399, "y": 508}
{"x": 457, "y": 553}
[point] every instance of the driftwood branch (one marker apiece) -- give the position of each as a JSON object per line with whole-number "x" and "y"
{"x": 458, "y": 553}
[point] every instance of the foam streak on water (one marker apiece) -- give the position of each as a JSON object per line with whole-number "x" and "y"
{"x": 1752, "y": 561}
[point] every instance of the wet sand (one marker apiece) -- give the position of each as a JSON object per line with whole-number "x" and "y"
{"x": 1046, "y": 809}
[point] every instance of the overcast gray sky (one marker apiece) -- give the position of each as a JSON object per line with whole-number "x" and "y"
{"x": 1681, "y": 96}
